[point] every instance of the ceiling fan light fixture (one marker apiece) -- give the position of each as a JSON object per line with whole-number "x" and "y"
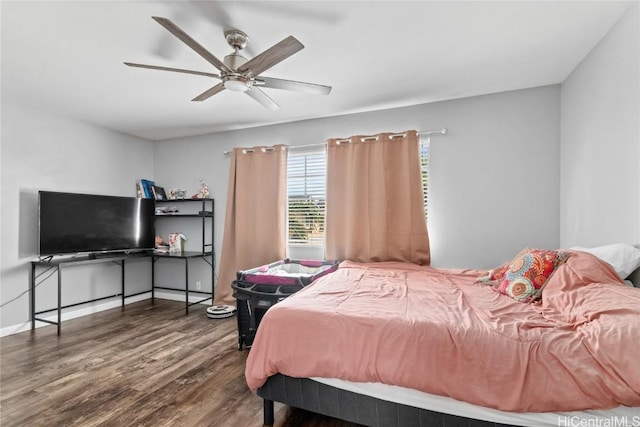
{"x": 236, "y": 84}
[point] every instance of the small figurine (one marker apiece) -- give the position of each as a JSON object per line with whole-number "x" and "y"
{"x": 204, "y": 190}
{"x": 176, "y": 242}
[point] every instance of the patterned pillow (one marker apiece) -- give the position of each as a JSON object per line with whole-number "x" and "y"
{"x": 493, "y": 275}
{"x": 497, "y": 274}
{"x": 528, "y": 273}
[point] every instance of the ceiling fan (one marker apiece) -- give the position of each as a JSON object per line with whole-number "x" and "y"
{"x": 236, "y": 72}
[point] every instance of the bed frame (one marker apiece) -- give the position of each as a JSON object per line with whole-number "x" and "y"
{"x": 358, "y": 408}
{"x": 323, "y": 399}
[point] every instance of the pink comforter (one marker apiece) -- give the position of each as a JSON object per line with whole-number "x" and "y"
{"x": 434, "y": 330}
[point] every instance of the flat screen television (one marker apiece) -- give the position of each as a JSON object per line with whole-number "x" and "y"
{"x": 72, "y": 223}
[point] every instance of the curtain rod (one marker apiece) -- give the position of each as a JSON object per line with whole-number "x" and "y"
{"x": 442, "y": 131}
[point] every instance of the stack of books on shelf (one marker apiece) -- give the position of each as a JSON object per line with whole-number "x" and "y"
{"x": 147, "y": 189}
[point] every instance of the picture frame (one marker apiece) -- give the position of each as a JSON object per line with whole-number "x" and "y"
{"x": 159, "y": 193}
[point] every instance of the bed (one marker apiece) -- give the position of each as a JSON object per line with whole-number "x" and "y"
{"x": 396, "y": 344}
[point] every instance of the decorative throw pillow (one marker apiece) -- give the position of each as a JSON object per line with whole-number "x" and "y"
{"x": 528, "y": 273}
{"x": 497, "y": 274}
{"x": 493, "y": 275}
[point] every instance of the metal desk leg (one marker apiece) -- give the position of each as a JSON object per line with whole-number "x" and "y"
{"x": 153, "y": 279}
{"x": 59, "y": 299}
{"x": 213, "y": 278}
{"x": 122, "y": 287}
{"x": 32, "y": 297}
{"x": 186, "y": 285}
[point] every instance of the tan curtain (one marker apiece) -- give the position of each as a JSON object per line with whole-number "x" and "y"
{"x": 255, "y": 219}
{"x": 375, "y": 207}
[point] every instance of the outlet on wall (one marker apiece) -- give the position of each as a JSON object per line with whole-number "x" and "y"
{"x": 198, "y": 286}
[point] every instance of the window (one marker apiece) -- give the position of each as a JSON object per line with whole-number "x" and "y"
{"x": 424, "y": 170}
{"x": 306, "y": 189}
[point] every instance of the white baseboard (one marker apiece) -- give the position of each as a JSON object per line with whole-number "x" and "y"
{"x": 95, "y": 308}
{"x": 179, "y": 296}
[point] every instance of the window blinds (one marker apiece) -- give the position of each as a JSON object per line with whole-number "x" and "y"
{"x": 424, "y": 170}
{"x": 306, "y": 189}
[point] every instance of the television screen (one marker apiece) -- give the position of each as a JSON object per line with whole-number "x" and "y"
{"x": 73, "y": 223}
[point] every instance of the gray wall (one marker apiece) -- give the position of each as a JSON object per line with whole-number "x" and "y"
{"x": 493, "y": 178}
{"x": 41, "y": 151}
{"x": 547, "y": 167}
{"x": 600, "y": 151}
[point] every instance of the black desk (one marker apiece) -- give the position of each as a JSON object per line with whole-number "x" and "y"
{"x": 119, "y": 259}
{"x": 186, "y": 256}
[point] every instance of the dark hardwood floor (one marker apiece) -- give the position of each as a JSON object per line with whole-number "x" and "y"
{"x": 146, "y": 364}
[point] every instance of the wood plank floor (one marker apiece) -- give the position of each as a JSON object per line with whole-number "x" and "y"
{"x": 146, "y": 364}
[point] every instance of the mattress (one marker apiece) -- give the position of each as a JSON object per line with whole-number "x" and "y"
{"x": 619, "y": 416}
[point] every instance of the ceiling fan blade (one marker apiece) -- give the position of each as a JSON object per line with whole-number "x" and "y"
{"x": 209, "y": 92}
{"x": 292, "y": 85}
{"x": 272, "y": 56}
{"x": 177, "y": 70}
{"x": 197, "y": 47}
{"x": 262, "y": 98}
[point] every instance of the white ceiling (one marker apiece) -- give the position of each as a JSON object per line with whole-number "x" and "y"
{"x": 67, "y": 56}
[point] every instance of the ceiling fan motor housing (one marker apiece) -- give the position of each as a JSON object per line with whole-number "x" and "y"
{"x": 234, "y": 60}
{"x": 236, "y": 82}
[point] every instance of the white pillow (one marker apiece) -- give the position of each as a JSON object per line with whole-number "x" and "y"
{"x": 624, "y": 258}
